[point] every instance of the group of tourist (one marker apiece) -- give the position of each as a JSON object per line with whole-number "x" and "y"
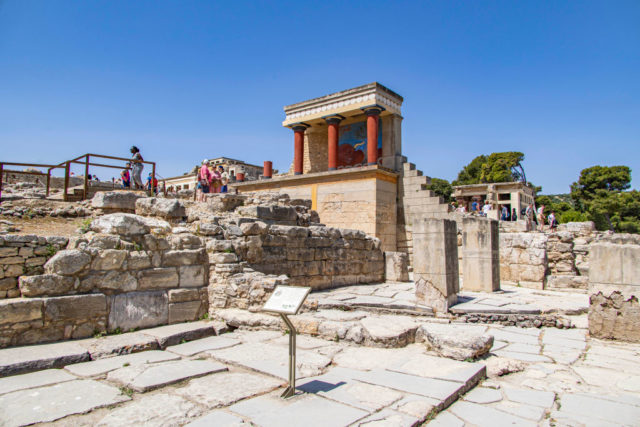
{"x": 136, "y": 166}
{"x": 211, "y": 180}
{"x": 530, "y": 214}
{"x": 537, "y": 217}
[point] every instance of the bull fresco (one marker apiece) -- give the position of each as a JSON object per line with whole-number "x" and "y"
{"x": 352, "y": 144}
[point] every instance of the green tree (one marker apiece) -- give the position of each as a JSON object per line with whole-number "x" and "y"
{"x": 441, "y": 187}
{"x": 595, "y": 180}
{"x": 496, "y": 167}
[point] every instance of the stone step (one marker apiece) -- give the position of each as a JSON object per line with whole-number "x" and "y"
{"x": 423, "y": 201}
{"x": 415, "y": 180}
{"x": 414, "y": 172}
{"x": 408, "y": 166}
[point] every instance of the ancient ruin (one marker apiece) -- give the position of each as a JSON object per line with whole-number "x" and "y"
{"x": 122, "y": 307}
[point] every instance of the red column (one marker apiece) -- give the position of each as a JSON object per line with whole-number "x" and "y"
{"x": 373, "y": 115}
{"x": 268, "y": 169}
{"x": 333, "y": 136}
{"x": 298, "y": 148}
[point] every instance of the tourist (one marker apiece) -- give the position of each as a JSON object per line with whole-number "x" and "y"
{"x": 553, "y": 223}
{"x": 505, "y": 213}
{"x": 529, "y": 214}
{"x": 126, "y": 178}
{"x": 486, "y": 208}
{"x": 474, "y": 207}
{"x": 215, "y": 181}
{"x": 149, "y": 185}
{"x": 224, "y": 179}
{"x": 514, "y": 215}
{"x": 136, "y": 167}
{"x": 540, "y": 218}
{"x": 204, "y": 180}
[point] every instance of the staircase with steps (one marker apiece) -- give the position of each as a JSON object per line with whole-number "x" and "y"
{"x": 414, "y": 198}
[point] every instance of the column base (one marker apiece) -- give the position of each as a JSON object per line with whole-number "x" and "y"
{"x": 372, "y": 163}
{"x": 266, "y": 177}
{"x": 297, "y": 173}
{"x": 332, "y": 169}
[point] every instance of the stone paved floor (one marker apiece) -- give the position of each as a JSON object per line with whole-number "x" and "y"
{"x": 551, "y": 377}
{"x": 401, "y": 297}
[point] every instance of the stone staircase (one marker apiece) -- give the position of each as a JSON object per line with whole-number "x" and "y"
{"x": 415, "y": 199}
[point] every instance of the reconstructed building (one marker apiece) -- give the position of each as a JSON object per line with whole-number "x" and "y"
{"x": 513, "y": 195}
{"x": 234, "y": 167}
{"x": 347, "y": 158}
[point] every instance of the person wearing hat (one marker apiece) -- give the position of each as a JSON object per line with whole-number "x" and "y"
{"x": 204, "y": 180}
{"x": 136, "y": 167}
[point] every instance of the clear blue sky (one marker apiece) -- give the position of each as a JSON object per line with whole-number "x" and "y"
{"x": 184, "y": 80}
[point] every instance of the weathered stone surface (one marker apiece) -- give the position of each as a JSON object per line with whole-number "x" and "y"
{"x": 183, "y": 257}
{"x": 184, "y": 311}
{"x": 108, "y": 364}
{"x": 209, "y": 229}
{"x": 17, "y": 360}
{"x": 192, "y": 276}
{"x": 396, "y": 266}
{"x": 483, "y": 395}
{"x": 67, "y": 262}
{"x": 203, "y": 344}
{"x": 75, "y": 307}
{"x": 254, "y": 228}
{"x": 128, "y": 225}
{"x": 184, "y": 295}
{"x": 455, "y": 343}
{"x": 109, "y": 281}
{"x": 148, "y": 377}
{"x": 499, "y": 366}
{"x": 482, "y": 415}
{"x": 158, "y": 278}
{"x": 389, "y": 331}
{"x": 124, "y": 201}
{"x": 67, "y": 398}
{"x": 119, "y": 344}
{"x": 138, "y": 260}
{"x": 225, "y": 389}
{"x": 174, "y": 334}
{"x": 156, "y": 409}
{"x": 481, "y": 257}
{"x": 109, "y": 259}
{"x": 34, "y": 379}
{"x": 164, "y": 208}
{"x": 46, "y": 284}
{"x": 138, "y": 310}
{"x": 217, "y": 418}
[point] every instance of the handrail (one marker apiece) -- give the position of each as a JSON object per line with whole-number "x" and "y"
{"x": 37, "y": 165}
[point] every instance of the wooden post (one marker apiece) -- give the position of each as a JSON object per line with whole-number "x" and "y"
{"x": 66, "y": 180}
{"x": 153, "y": 179}
{"x": 86, "y": 178}
{"x": 48, "y": 181}
{"x": 1, "y": 173}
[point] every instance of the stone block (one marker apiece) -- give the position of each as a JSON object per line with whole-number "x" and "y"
{"x": 109, "y": 259}
{"x": 163, "y": 208}
{"x": 11, "y": 260}
{"x": 192, "y": 276}
{"x": 75, "y": 308}
{"x": 123, "y": 201}
{"x": 138, "y": 310}
{"x": 158, "y": 278}
{"x": 106, "y": 281}
{"x": 8, "y": 251}
{"x": 35, "y": 262}
{"x": 125, "y": 224}
{"x": 184, "y": 295}
{"x": 67, "y": 262}
{"x": 184, "y": 311}
{"x": 223, "y": 258}
{"x": 254, "y": 228}
{"x": 481, "y": 258}
{"x": 25, "y": 252}
{"x": 138, "y": 261}
{"x": 20, "y": 310}
{"x": 13, "y": 271}
{"x": 396, "y": 266}
{"x": 183, "y": 257}
{"x": 8, "y": 283}
{"x": 46, "y": 284}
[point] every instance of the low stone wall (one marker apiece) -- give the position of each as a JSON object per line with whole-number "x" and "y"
{"x": 614, "y": 288}
{"x": 523, "y": 259}
{"x": 23, "y": 256}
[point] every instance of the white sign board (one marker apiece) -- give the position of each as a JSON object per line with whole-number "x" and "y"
{"x": 286, "y": 299}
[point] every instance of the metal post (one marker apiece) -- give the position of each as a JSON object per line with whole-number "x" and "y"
{"x": 86, "y": 178}
{"x": 291, "y": 389}
{"x": 66, "y": 180}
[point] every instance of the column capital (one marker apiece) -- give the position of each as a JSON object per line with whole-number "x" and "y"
{"x": 299, "y": 127}
{"x": 333, "y": 119}
{"x": 373, "y": 110}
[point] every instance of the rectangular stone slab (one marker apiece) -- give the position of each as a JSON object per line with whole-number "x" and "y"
{"x": 150, "y": 376}
{"x": 103, "y": 366}
{"x": 57, "y": 401}
{"x": 305, "y": 410}
{"x": 18, "y": 360}
{"x": 174, "y": 334}
{"x": 34, "y": 379}
{"x": 198, "y": 346}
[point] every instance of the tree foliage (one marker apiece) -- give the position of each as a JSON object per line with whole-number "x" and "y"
{"x": 496, "y": 167}
{"x": 441, "y": 187}
{"x": 600, "y": 194}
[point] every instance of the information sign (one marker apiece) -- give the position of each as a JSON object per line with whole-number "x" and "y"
{"x": 286, "y": 299}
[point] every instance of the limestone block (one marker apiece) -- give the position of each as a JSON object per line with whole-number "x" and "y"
{"x": 35, "y": 262}
{"x": 183, "y": 295}
{"x": 289, "y": 231}
{"x": 125, "y": 224}
{"x": 75, "y": 307}
{"x": 138, "y": 310}
{"x": 104, "y": 241}
{"x": 106, "y": 281}
{"x": 138, "y": 260}
{"x": 185, "y": 241}
{"x": 8, "y": 251}
{"x": 67, "y": 262}
{"x": 11, "y": 260}
{"x": 124, "y": 201}
{"x": 183, "y": 257}
{"x": 109, "y": 259}
{"x": 13, "y": 271}
{"x": 25, "y": 252}
{"x": 480, "y": 258}
{"x": 396, "y": 266}
{"x": 209, "y": 229}
{"x": 158, "y": 278}
{"x": 454, "y": 343}
{"x": 46, "y": 284}
{"x": 164, "y": 208}
{"x": 223, "y": 258}
{"x": 184, "y": 311}
{"x": 219, "y": 246}
{"x": 254, "y": 228}
{"x": 20, "y": 310}
{"x": 192, "y": 276}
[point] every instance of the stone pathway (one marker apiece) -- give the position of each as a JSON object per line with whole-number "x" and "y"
{"x": 540, "y": 377}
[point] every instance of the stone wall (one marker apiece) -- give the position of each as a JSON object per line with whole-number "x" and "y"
{"x": 24, "y": 255}
{"x": 614, "y": 288}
